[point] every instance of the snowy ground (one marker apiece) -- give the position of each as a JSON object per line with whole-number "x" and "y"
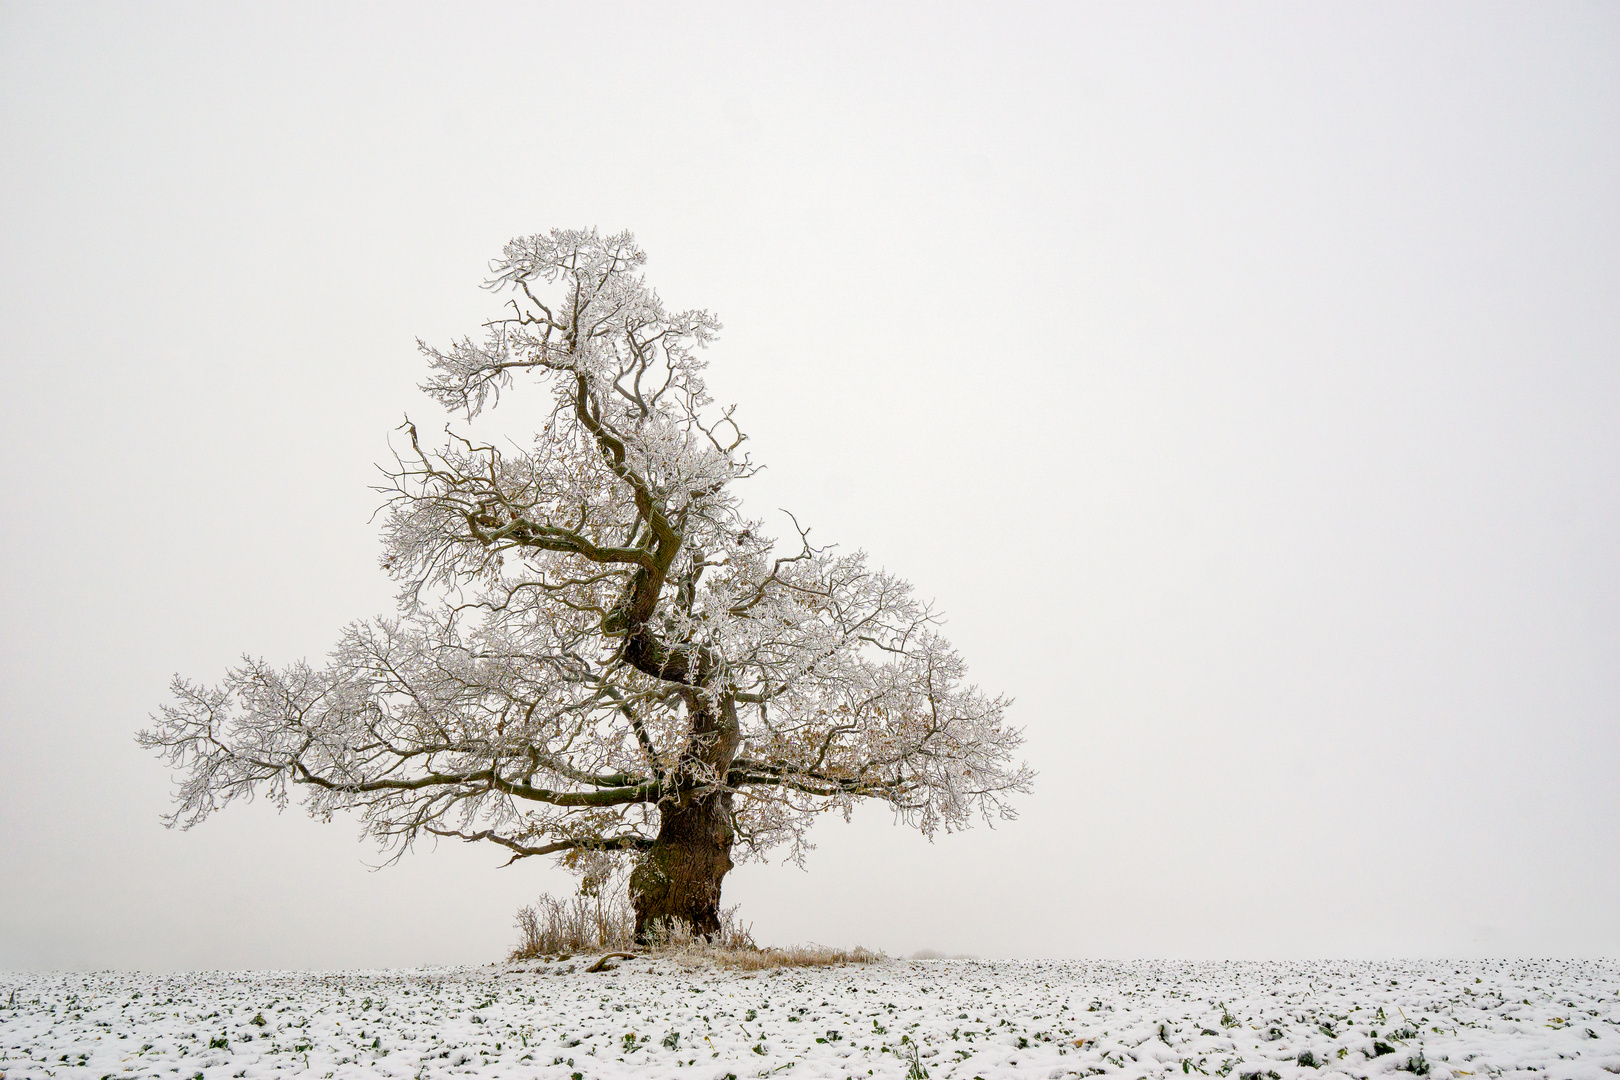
{"x": 940, "y": 1018}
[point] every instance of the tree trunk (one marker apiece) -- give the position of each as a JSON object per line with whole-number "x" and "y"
{"x": 679, "y": 876}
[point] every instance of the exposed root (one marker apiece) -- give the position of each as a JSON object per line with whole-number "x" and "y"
{"x": 603, "y": 965}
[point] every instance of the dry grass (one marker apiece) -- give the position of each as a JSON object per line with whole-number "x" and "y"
{"x": 734, "y": 947}
{"x": 552, "y": 926}
{"x": 794, "y": 956}
{"x": 605, "y": 922}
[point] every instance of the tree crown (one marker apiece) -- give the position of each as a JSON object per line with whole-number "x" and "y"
{"x": 589, "y": 626}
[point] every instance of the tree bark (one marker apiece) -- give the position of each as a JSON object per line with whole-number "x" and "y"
{"x": 679, "y": 876}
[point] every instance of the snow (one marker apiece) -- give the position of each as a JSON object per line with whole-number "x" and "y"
{"x": 940, "y": 1018}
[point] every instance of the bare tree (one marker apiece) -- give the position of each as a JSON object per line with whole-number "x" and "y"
{"x": 595, "y": 651}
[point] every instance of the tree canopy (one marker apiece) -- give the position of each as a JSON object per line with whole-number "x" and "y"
{"x": 595, "y": 648}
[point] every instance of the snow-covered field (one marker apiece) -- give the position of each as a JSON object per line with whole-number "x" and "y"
{"x": 937, "y": 1018}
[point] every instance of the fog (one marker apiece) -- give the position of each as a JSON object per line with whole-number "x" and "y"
{"x": 1242, "y": 381}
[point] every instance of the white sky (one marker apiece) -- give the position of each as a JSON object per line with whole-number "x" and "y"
{"x": 1242, "y": 381}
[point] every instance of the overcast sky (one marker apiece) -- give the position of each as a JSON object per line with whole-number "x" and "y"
{"x": 1243, "y": 381}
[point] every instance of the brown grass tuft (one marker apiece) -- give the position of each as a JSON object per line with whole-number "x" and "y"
{"x": 605, "y": 922}
{"x": 795, "y": 956}
{"x": 579, "y": 924}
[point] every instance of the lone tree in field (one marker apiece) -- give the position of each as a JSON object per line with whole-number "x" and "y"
{"x": 595, "y": 650}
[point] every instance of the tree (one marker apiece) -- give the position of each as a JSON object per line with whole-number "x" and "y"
{"x": 595, "y": 651}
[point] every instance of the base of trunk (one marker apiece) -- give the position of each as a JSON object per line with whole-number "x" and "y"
{"x": 679, "y": 877}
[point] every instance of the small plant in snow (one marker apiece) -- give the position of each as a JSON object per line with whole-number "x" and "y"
{"x": 914, "y": 1069}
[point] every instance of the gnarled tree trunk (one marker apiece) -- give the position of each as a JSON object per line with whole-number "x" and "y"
{"x": 679, "y": 876}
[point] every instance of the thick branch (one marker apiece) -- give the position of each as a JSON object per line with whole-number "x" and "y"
{"x": 521, "y": 532}
{"x": 644, "y": 792}
{"x": 523, "y": 851}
